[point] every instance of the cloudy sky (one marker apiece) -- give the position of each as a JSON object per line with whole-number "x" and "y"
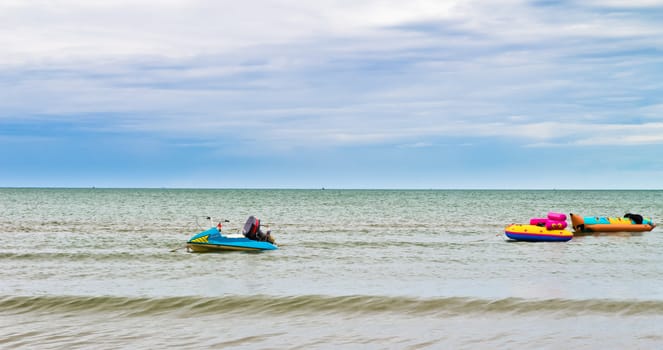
{"x": 331, "y": 93}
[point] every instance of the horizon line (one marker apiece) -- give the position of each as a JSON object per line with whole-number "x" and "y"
{"x": 330, "y": 188}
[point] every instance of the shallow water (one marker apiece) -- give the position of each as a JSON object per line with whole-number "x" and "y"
{"x": 88, "y": 268}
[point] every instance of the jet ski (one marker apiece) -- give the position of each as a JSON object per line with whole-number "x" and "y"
{"x": 251, "y": 239}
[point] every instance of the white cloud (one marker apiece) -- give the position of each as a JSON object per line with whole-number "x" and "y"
{"x": 417, "y": 145}
{"x": 622, "y": 135}
{"x": 626, "y": 3}
{"x": 334, "y": 73}
{"x": 64, "y": 30}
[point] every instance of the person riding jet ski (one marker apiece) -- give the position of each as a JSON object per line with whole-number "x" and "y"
{"x": 252, "y": 231}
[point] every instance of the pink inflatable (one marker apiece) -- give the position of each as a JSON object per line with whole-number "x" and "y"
{"x": 549, "y": 224}
{"x": 555, "y": 225}
{"x": 556, "y": 216}
{"x": 554, "y": 221}
{"x": 538, "y": 221}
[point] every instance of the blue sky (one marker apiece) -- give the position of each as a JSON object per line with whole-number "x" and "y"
{"x": 335, "y": 94}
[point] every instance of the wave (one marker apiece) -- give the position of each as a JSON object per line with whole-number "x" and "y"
{"x": 85, "y": 255}
{"x": 316, "y": 304}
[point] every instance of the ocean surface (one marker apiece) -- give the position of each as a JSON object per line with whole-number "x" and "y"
{"x": 356, "y": 269}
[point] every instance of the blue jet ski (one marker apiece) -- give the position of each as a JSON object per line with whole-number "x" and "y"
{"x": 251, "y": 239}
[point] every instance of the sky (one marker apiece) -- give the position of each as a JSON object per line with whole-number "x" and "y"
{"x": 421, "y": 94}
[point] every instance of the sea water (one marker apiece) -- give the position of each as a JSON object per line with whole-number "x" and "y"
{"x": 365, "y": 269}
